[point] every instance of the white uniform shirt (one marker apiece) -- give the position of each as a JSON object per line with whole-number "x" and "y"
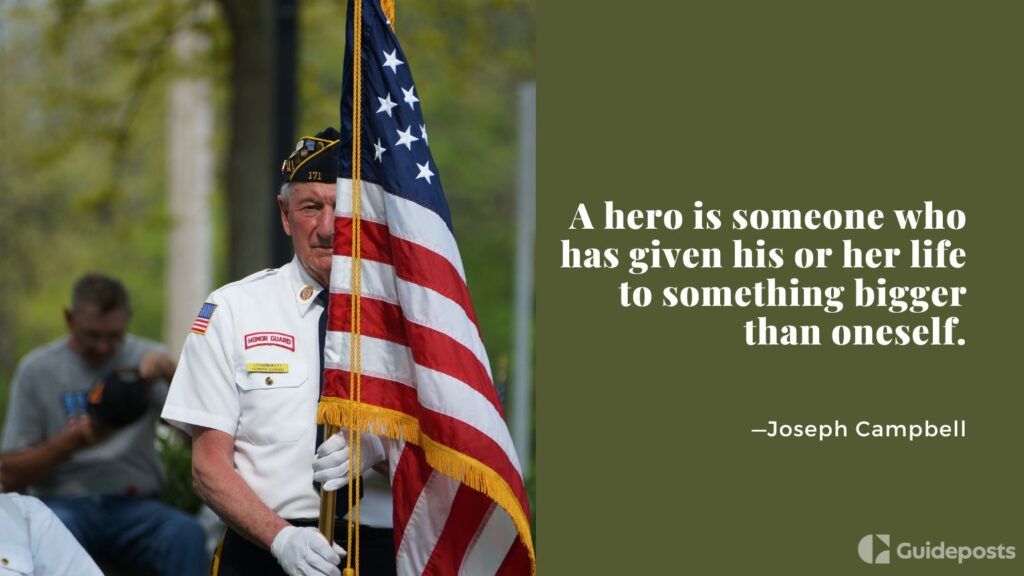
{"x": 252, "y": 370}
{"x": 33, "y": 542}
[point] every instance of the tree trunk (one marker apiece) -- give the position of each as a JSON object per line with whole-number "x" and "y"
{"x": 251, "y": 167}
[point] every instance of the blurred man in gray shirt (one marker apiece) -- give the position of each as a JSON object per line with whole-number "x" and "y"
{"x": 102, "y": 482}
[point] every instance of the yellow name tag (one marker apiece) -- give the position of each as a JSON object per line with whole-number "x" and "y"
{"x": 266, "y": 367}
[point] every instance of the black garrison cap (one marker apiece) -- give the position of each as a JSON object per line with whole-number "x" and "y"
{"x": 315, "y": 159}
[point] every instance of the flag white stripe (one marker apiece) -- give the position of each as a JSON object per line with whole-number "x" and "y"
{"x": 436, "y": 391}
{"x": 490, "y": 545}
{"x": 433, "y": 310}
{"x": 419, "y": 304}
{"x": 405, "y": 219}
{"x": 376, "y": 282}
{"x": 394, "y": 448}
{"x": 425, "y": 524}
{"x": 380, "y": 358}
{"x": 451, "y": 397}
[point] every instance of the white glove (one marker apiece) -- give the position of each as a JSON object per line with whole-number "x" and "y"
{"x": 305, "y": 552}
{"x": 333, "y": 459}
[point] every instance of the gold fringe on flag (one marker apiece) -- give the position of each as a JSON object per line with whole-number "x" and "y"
{"x": 452, "y": 463}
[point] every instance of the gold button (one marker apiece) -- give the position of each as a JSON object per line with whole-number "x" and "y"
{"x": 4, "y": 561}
{"x": 269, "y": 380}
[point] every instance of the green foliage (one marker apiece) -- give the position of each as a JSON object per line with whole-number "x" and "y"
{"x": 177, "y": 460}
{"x": 83, "y": 169}
{"x": 83, "y": 163}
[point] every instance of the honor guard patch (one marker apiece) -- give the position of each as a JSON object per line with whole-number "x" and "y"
{"x": 279, "y": 339}
{"x": 202, "y": 320}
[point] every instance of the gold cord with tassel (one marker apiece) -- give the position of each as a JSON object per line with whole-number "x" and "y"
{"x": 328, "y": 500}
{"x": 355, "y": 352}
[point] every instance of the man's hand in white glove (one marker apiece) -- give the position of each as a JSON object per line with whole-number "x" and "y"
{"x": 305, "y": 552}
{"x": 333, "y": 459}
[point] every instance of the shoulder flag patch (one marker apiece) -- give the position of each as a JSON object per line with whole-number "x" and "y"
{"x": 202, "y": 320}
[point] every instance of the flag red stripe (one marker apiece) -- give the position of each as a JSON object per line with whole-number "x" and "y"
{"x": 377, "y": 391}
{"x": 374, "y": 243}
{"x": 412, "y": 262}
{"x": 378, "y": 319}
{"x": 516, "y": 562}
{"x": 430, "y": 348}
{"x": 468, "y": 510}
{"x": 411, "y": 475}
{"x": 438, "y": 351}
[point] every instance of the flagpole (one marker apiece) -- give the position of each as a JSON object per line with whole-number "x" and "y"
{"x": 328, "y": 499}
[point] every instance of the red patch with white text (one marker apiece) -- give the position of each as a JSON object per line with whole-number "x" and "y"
{"x": 279, "y": 339}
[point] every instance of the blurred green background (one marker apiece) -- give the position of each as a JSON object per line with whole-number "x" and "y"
{"x": 83, "y": 143}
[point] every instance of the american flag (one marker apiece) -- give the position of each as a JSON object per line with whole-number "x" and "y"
{"x": 202, "y": 320}
{"x": 460, "y": 506}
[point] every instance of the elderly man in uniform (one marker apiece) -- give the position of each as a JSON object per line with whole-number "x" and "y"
{"x": 247, "y": 387}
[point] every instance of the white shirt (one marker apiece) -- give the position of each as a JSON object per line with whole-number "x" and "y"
{"x": 34, "y": 542}
{"x": 254, "y": 373}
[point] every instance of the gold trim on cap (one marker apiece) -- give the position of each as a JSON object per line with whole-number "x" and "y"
{"x": 313, "y": 155}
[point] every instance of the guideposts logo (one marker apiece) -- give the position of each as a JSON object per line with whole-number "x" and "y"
{"x": 874, "y": 548}
{"x": 877, "y": 549}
